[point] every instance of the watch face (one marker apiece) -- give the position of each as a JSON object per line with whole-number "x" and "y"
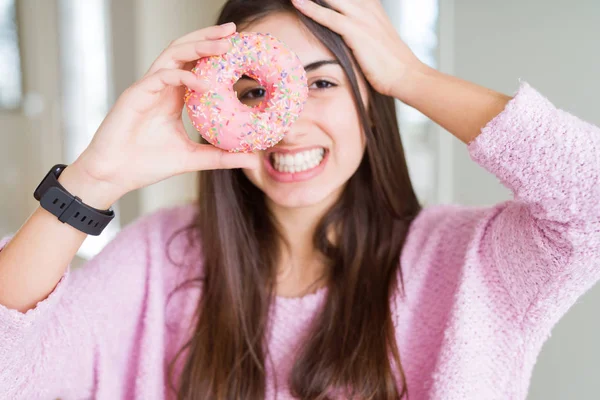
{"x": 55, "y": 171}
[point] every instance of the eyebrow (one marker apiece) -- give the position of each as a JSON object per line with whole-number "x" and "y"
{"x": 309, "y": 67}
{"x": 319, "y": 64}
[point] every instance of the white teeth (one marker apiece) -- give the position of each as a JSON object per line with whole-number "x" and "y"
{"x": 298, "y": 162}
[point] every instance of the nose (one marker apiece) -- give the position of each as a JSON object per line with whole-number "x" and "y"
{"x": 301, "y": 127}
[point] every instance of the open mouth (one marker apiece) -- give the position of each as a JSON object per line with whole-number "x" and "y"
{"x": 301, "y": 161}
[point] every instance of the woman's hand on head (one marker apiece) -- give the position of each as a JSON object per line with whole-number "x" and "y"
{"x": 142, "y": 140}
{"x": 383, "y": 56}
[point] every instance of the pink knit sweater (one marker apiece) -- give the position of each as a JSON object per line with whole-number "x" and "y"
{"x": 484, "y": 286}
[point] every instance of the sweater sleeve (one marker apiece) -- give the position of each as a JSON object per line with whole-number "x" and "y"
{"x": 55, "y": 349}
{"x": 545, "y": 243}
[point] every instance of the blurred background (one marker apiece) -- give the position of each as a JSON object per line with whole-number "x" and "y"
{"x": 64, "y": 62}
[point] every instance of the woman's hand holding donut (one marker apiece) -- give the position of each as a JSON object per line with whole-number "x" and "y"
{"x": 383, "y": 56}
{"x": 142, "y": 140}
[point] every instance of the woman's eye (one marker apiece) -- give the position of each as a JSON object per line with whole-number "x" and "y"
{"x": 322, "y": 84}
{"x": 253, "y": 94}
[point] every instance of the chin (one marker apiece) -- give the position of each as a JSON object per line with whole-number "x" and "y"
{"x": 301, "y": 197}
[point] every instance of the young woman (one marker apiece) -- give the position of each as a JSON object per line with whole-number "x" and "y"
{"x": 327, "y": 284}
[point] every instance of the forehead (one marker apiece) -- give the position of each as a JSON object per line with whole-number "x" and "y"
{"x": 287, "y": 28}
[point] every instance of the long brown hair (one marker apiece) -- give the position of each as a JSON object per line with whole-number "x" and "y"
{"x": 227, "y": 354}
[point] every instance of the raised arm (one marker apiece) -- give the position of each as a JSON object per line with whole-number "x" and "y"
{"x": 140, "y": 142}
{"x": 546, "y": 242}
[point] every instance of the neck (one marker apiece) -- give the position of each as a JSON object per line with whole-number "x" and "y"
{"x": 297, "y": 227}
{"x": 301, "y": 266}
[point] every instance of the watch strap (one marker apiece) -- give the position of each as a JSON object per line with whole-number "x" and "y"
{"x": 68, "y": 208}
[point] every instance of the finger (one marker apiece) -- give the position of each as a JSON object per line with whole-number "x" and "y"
{"x": 163, "y": 78}
{"x": 207, "y": 157}
{"x": 175, "y": 57}
{"x": 345, "y": 7}
{"x": 212, "y": 32}
{"x": 327, "y": 17}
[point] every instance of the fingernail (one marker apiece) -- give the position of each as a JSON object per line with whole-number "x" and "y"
{"x": 299, "y": 3}
{"x": 227, "y": 25}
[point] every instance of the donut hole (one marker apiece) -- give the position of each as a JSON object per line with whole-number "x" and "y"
{"x": 250, "y": 92}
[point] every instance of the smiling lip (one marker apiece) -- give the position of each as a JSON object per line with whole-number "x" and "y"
{"x": 287, "y": 177}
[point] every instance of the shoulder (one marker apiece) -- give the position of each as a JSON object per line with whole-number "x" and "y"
{"x": 165, "y": 220}
{"x": 442, "y": 222}
{"x": 121, "y": 292}
{"x": 152, "y": 230}
{"x": 442, "y": 234}
{"x": 173, "y": 243}
{"x": 137, "y": 259}
{"x": 164, "y": 225}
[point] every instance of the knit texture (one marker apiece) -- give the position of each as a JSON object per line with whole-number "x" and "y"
{"x": 483, "y": 286}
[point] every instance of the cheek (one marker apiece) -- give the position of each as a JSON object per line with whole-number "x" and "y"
{"x": 256, "y": 176}
{"x": 339, "y": 119}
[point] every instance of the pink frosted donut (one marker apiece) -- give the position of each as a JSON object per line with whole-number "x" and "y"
{"x": 222, "y": 119}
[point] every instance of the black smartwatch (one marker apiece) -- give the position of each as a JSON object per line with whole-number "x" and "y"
{"x": 68, "y": 208}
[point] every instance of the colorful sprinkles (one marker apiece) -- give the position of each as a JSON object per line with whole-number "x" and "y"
{"x": 223, "y": 120}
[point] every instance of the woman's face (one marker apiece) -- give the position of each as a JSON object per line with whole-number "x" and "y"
{"x": 324, "y": 148}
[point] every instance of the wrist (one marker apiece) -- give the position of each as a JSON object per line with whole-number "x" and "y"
{"x": 97, "y": 194}
{"x": 411, "y": 83}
